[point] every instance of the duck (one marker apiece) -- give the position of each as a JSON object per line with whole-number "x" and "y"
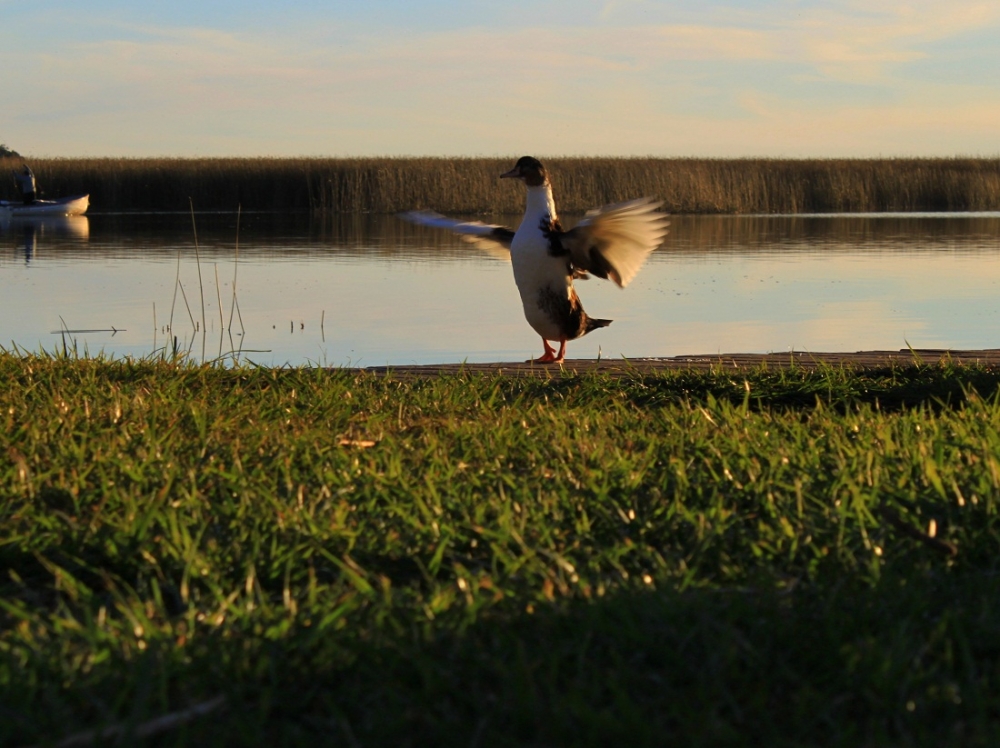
{"x": 612, "y": 242}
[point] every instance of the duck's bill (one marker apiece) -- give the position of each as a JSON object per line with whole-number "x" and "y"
{"x": 512, "y": 174}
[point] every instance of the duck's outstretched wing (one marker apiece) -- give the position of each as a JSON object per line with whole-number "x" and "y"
{"x": 614, "y": 241}
{"x": 492, "y": 239}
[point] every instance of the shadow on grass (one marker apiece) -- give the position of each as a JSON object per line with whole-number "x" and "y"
{"x": 906, "y": 662}
{"x": 889, "y": 389}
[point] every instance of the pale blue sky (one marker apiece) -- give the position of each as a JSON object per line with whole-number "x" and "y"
{"x": 620, "y": 77}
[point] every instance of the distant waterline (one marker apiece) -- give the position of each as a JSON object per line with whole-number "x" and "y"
{"x": 471, "y": 185}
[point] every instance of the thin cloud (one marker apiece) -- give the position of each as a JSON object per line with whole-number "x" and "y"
{"x": 769, "y": 82}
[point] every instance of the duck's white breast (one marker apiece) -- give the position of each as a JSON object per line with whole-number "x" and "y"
{"x": 537, "y": 273}
{"x": 535, "y": 269}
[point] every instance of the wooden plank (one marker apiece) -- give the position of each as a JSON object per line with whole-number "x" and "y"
{"x": 704, "y": 362}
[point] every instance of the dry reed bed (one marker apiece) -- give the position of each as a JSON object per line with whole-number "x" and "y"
{"x": 471, "y": 186}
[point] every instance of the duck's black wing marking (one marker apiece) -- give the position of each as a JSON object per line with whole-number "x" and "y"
{"x": 492, "y": 239}
{"x": 613, "y": 241}
{"x": 552, "y": 231}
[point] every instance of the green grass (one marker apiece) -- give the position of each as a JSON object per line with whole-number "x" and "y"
{"x": 689, "y": 559}
{"x": 473, "y": 186}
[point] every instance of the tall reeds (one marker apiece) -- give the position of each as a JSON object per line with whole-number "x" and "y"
{"x": 471, "y": 185}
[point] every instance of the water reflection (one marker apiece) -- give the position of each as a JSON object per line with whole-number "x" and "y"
{"x": 29, "y": 241}
{"x": 30, "y": 229}
{"x": 847, "y": 232}
{"x": 366, "y": 289}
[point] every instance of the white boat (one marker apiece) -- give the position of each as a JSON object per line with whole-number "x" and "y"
{"x": 63, "y": 206}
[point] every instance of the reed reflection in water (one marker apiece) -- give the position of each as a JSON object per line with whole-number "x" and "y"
{"x": 371, "y": 290}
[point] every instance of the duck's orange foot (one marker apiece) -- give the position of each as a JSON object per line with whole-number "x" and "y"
{"x": 550, "y": 356}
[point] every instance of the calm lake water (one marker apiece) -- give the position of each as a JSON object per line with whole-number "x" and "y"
{"x": 373, "y": 290}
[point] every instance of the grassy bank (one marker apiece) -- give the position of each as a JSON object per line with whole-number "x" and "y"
{"x": 341, "y": 559}
{"x": 471, "y": 185}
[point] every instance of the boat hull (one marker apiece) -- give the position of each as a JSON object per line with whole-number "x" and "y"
{"x": 65, "y": 206}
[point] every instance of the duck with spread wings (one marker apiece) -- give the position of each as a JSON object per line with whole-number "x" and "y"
{"x": 611, "y": 242}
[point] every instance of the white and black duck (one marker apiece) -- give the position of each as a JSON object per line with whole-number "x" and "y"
{"x": 611, "y": 242}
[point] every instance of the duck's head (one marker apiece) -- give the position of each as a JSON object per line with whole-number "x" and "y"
{"x": 529, "y": 170}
